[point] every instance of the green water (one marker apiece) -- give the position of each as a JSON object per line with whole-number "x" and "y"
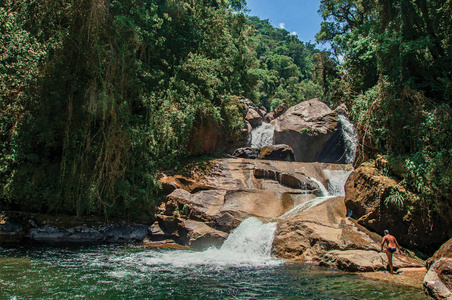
{"x": 134, "y": 272}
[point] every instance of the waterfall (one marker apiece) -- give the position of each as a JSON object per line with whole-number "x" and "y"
{"x": 249, "y": 244}
{"x": 262, "y": 135}
{"x": 251, "y": 239}
{"x": 321, "y": 186}
{"x": 350, "y": 139}
{"x": 336, "y": 181}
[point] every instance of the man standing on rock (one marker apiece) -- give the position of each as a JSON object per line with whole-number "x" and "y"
{"x": 393, "y": 246}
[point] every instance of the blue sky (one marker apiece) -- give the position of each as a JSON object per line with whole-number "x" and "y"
{"x": 299, "y": 17}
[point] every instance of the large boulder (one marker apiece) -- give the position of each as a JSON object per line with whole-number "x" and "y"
{"x": 254, "y": 114}
{"x": 438, "y": 280}
{"x": 194, "y": 234}
{"x": 325, "y": 236}
{"x": 247, "y": 152}
{"x": 367, "y": 196}
{"x": 277, "y": 152}
{"x": 313, "y": 130}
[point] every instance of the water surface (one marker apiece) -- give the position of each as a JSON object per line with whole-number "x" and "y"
{"x": 134, "y": 272}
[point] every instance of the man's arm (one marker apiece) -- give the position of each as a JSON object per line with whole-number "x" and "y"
{"x": 382, "y": 243}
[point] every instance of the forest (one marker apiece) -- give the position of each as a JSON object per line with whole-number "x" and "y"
{"x": 99, "y": 96}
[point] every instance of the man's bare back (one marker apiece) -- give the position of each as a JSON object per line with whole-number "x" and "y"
{"x": 390, "y": 241}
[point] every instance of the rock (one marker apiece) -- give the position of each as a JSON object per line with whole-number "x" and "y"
{"x": 438, "y": 280}
{"x": 269, "y": 117}
{"x": 277, "y": 152}
{"x": 11, "y": 233}
{"x": 324, "y": 235}
{"x": 365, "y": 261}
{"x": 444, "y": 251}
{"x": 199, "y": 236}
{"x": 366, "y": 192}
{"x": 281, "y": 109}
{"x": 236, "y": 188}
{"x": 113, "y": 233}
{"x": 246, "y": 152}
{"x": 254, "y": 117}
{"x": 194, "y": 234}
{"x": 341, "y": 110}
{"x": 313, "y": 131}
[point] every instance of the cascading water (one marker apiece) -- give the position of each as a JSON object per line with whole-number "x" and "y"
{"x": 262, "y": 135}
{"x": 249, "y": 244}
{"x": 336, "y": 181}
{"x": 350, "y": 139}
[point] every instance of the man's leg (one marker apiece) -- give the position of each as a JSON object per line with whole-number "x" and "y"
{"x": 389, "y": 255}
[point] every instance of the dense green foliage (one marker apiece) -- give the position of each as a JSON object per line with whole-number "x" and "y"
{"x": 396, "y": 78}
{"x": 98, "y": 96}
{"x": 285, "y": 73}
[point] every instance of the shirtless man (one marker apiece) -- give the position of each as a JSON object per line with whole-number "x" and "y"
{"x": 393, "y": 246}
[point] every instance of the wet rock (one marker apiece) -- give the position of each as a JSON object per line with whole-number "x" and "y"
{"x": 313, "y": 131}
{"x": 277, "y": 152}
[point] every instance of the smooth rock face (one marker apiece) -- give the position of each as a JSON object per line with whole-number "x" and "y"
{"x": 438, "y": 280}
{"x": 313, "y": 131}
{"x": 324, "y": 235}
{"x": 366, "y": 191}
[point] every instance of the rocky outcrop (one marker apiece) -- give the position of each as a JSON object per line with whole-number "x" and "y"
{"x": 368, "y": 195}
{"x": 234, "y": 189}
{"x": 194, "y": 234}
{"x": 325, "y": 236}
{"x": 32, "y": 227}
{"x": 313, "y": 131}
{"x": 254, "y": 114}
{"x": 114, "y": 233}
{"x": 438, "y": 280}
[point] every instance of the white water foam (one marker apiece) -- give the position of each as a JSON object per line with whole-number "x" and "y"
{"x": 336, "y": 181}
{"x": 250, "y": 244}
{"x": 350, "y": 139}
{"x": 262, "y": 135}
{"x": 321, "y": 186}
